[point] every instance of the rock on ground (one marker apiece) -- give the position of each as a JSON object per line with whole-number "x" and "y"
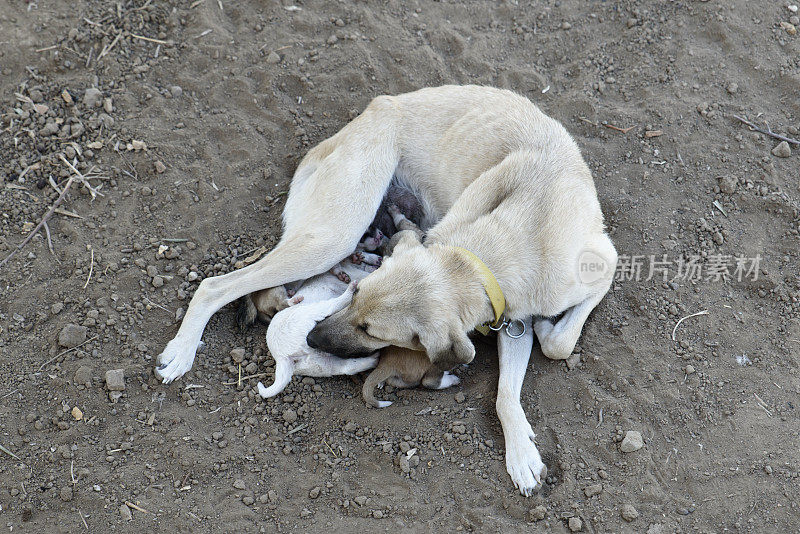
{"x": 72, "y": 335}
{"x": 115, "y": 380}
{"x": 631, "y": 442}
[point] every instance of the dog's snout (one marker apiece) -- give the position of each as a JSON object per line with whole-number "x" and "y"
{"x": 314, "y": 339}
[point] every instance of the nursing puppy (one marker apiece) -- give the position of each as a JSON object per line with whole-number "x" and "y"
{"x": 404, "y": 368}
{"x": 316, "y": 299}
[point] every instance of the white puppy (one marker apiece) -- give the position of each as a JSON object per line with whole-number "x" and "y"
{"x": 316, "y": 299}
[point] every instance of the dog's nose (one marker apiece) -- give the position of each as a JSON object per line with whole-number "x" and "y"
{"x": 314, "y": 340}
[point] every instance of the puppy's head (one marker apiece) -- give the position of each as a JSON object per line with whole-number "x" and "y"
{"x": 411, "y": 302}
{"x": 371, "y": 241}
{"x": 268, "y": 302}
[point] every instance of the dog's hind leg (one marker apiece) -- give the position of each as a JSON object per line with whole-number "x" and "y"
{"x": 523, "y": 461}
{"x": 558, "y": 340}
{"x": 333, "y": 198}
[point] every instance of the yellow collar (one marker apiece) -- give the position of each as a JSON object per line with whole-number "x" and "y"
{"x": 492, "y": 289}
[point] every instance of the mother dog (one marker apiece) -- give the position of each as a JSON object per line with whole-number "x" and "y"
{"x": 506, "y": 196}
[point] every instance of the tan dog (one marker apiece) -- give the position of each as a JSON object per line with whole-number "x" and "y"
{"x": 495, "y": 176}
{"x": 404, "y": 368}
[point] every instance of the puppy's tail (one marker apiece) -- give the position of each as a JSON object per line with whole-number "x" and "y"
{"x": 284, "y": 369}
{"x": 246, "y": 312}
{"x": 378, "y": 375}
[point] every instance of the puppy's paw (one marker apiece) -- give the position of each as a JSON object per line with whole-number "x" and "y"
{"x": 340, "y": 274}
{"x": 297, "y": 299}
{"x": 372, "y": 259}
{"x": 357, "y": 258}
{"x": 449, "y": 380}
{"x": 524, "y": 464}
{"x": 393, "y": 210}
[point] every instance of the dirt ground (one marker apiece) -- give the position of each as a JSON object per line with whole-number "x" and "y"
{"x": 227, "y": 97}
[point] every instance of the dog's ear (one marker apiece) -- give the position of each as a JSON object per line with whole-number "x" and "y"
{"x": 446, "y": 352}
{"x": 408, "y": 239}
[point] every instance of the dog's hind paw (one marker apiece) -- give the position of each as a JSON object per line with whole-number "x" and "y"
{"x": 175, "y": 361}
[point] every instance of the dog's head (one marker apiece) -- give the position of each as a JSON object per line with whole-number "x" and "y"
{"x": 411, "y": 301}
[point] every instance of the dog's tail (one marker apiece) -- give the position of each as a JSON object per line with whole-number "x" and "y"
{"x": 284, "y": 369}
{"x": 378, "y": 375}
{"x": 246, "y": 313}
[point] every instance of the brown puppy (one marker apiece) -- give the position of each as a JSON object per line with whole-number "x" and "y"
{"x": 404, "y": 368}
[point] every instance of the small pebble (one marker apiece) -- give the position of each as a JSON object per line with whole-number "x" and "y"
{"x": 628, "y": 512}
{"x": 538, "y": 513}
{"x": 125, "y": 512}
{"x": 594, "y": 489}
{"x": 239, "y": 484}
{"x": 72, "y": 335}
{"x": 160, "y": 167}
{"x": 273, "y": 58}
{"x": 460, "y": 397}
{"x": 289, "y": 415}
{"x": 176, "y": 91}
{"x": 783, "y": 150}
{"x": 575, "y": 524}
{"x": 115, "y": 380}
{"x": 314, "y": 493}
{"x": 237, "y": 354}
{"x": 632, "y": 441}
{"x": 92, "y": 98}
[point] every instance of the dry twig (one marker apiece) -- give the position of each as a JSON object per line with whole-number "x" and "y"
{"x": 768, "y": 131}
{"x": 84, "y": 180}
{"x": 49, "y": 241}
{"x": 91, "y": 269}
{"x": 57, "y": 356}
{"x": 131, "y": 505}
{"x": 704, "y": 312}
{"x": 150, "y": 39}
{"x": 42, "y": 222}
{"x": 8, "y": 452}
{"x": 617, "y": 128}
{"x": 235, "y": 382}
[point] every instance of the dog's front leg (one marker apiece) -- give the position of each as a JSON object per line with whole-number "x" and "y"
{"x": 523, "y": 461}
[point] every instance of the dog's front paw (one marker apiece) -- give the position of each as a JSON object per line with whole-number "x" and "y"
{"x": 525, "y": 465}
{"x": 357, "y": 258}
{"x": 175, "y": 361}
